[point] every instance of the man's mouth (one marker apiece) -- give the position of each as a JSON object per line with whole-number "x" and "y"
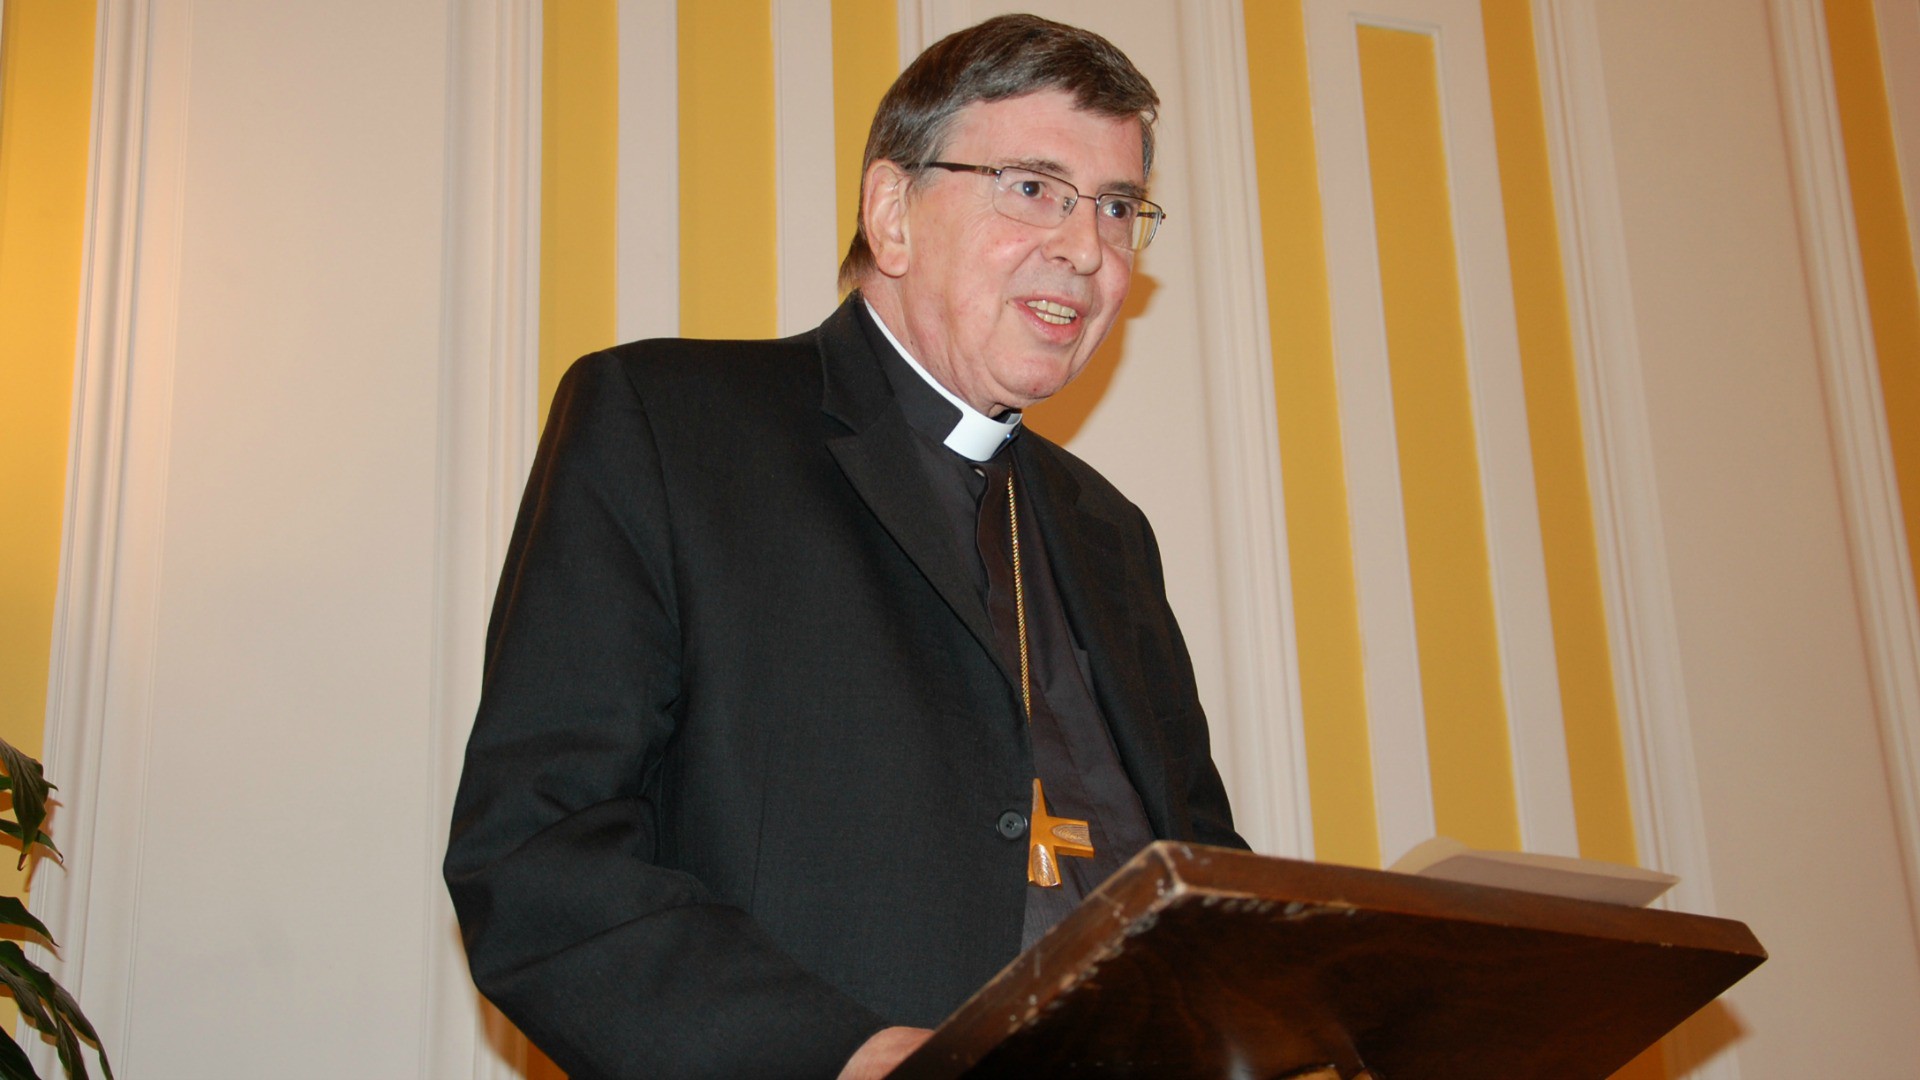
{"x": 1050, "y": 312}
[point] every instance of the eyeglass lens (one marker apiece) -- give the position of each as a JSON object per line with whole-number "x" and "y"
{"x": 1044, "y": 201}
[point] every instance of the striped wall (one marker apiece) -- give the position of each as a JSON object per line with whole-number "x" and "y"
{"x": 1445, "y": 591}
{"x": 1362, "y": 354}
{"x": 1453, "y": 649}
{"x": 1446, "y": 729}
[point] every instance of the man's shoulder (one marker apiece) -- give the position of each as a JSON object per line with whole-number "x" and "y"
{"x": 691, "y": 392}
{"x": 699, "y": 378}
{"x": 693, "y": 362}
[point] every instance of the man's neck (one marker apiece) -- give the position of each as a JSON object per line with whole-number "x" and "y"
{"x": 975, "y": 435}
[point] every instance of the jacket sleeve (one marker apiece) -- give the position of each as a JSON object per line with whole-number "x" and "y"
{"x": 613, "y": 966}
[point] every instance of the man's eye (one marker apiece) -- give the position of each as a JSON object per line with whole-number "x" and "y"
{"x": 1031, "y": 189}
{"x": 1120, "y": 210}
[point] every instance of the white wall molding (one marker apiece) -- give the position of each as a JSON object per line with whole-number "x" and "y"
{"x": 103, "y": 640}
{"x": 809, "y": 239}
{"x": 1262, "y": 721}
{"x": 488, "y": 395}
{"x": 1643, "y": 632}
{"x": 1869, "y": 486}
{"x": 647, "y": 213}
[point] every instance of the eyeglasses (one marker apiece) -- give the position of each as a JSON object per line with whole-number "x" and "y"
{"x": 1035, "y": 198}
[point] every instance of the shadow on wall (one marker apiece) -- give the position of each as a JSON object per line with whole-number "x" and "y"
{"x": 510, "y": 1045}
{"x": 1703, "y": 1036}
{"x": 1062, "y": 416}
{"x": 539, "y": 1068}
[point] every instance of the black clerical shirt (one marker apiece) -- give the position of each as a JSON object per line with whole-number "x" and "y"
{"x": 1073, "y": 751}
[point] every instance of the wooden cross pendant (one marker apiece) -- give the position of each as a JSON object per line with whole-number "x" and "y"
{"x": 1052, "y": 837}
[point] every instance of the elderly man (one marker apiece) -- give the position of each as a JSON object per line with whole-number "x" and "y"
{"x": 815, "y": 688}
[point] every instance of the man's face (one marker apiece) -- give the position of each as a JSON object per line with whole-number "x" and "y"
{"x": 982, "y": 294}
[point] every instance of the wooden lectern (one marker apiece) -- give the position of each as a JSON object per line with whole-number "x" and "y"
{"x": 1201, "y": 962}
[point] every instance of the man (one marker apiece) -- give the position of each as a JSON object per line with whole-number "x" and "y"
{"x": 815, "y": 689}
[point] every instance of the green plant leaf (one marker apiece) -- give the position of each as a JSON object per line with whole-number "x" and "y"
{"x": 67, "y": 1008}
{"x": 13, "y": 1060}
{"x": 68, "y": 1044}
{"x": 42, "y": 839}
{"x": 27, "y": 995}
{"x": 30, "y": 789}
{"x": 15, "y": 913}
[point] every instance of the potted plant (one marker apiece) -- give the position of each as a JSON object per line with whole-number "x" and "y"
{"x": 43, "y": 1002}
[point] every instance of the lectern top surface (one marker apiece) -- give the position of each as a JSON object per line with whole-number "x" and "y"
{"x": 1201, "y": 962}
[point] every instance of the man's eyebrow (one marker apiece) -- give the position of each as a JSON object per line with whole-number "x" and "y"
{"x": 1045, "y": 165}
{"x": 1052, "y": 167}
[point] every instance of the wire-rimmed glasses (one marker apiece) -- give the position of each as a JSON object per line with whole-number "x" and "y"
{"x": 1039, "y": 199}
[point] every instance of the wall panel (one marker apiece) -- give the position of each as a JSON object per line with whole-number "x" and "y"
{"x": 306, "y": 371}
{"x": 1379, "y": 490}
{"x": 1794, "y": 810}
{"x": 1469, "y": 758}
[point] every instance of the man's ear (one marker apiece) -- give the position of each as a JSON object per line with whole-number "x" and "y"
{"x": 884, "y": 195}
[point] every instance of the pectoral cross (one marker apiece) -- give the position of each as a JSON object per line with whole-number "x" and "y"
{"x": 1050, "y": 838}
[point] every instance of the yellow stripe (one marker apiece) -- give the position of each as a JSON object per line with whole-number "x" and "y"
{"x": 46, "y": 98}
{"x": 866, "y": 51}
{"x": 1880, "y": 225}
{"x": 579, "y": 167}
{"x": 1319, "y": 543}
{"x": 727, "y": 230}
{"x": 1602, "y": 808}
{"x": 1468, "y": 752}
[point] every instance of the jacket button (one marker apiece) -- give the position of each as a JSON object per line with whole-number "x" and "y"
{"x": 1013, "y": 824}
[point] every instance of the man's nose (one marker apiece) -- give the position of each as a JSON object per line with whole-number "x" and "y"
{"x": 1077, "y": 240}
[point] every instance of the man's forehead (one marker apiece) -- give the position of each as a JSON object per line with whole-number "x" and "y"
{"x": 1047, "y": 132}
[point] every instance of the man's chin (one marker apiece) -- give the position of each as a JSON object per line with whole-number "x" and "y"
{"x": 1043, "y": 379}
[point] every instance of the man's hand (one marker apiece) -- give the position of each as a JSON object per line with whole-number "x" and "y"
{"x": 878, "y": 1055}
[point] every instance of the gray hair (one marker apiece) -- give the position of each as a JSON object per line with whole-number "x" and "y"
{"x": 1001, "y": 58}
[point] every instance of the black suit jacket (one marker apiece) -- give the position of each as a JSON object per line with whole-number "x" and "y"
{"x": 730, "y": 800}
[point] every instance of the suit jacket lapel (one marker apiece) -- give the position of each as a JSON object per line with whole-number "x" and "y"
{"x": 880, "y": 460}
{"x": 1088, "y": 551}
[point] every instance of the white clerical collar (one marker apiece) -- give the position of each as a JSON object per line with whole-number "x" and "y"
{"x": 977, "y": 437}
